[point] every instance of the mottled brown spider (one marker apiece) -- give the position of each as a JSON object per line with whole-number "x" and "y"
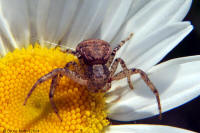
{"x": 97, "y": 56}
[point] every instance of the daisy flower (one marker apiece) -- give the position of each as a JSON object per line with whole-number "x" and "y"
{"x": 28, "y": 30}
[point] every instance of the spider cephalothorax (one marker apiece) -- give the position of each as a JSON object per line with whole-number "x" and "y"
{"x": 97, "y": 57}
{"x": 94, "y": 51}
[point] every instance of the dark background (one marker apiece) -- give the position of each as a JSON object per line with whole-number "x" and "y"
{"x": 188, "y": 115}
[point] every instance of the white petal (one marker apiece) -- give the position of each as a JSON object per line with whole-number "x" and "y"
{"x": 144, "y": 128}
{"x": 182, "y": 11}
{"x": 155, "y": 46}
{"x": 32, "y": 12}
{"x": 88, "y": 18}
{"x": 6, "y": 34}
{"x": 14, "y": 22}
{"x": 115, "y": 17}
{"x": 54, "y": 18}
{"x": 152, "y": 16}
{"x": 178, "y": 10}
{"x": 3, "y": 48}
{"x": 178, "y": 81}
{"x": 136, "y": 6}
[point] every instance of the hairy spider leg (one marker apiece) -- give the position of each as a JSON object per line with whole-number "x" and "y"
{"x": 106, "y": 88}
{"x": 42, "y": 79}
{"x": 76, "y": 67}
{"x": 144, "y": 76}
{"x": 112, "y": 56}
{"x": 57, "y": 45}
{"x": 70, "y": 51}
{"x": 123, "y": 65}
{"x": 54, "y": 83}
{"x": 73, "y": 63}
{"x": 62, "y": 71}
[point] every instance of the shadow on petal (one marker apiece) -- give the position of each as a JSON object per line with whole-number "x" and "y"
{"x": 127, "y": 114}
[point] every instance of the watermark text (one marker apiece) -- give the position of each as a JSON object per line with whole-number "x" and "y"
{"x": 21, "y": 131}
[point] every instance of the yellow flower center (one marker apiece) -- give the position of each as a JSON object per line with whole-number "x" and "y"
{"x": 80, "y": 110}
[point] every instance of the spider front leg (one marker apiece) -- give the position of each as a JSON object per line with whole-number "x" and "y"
{"x": 144, "y": 76}
{"x": 76, "y": 67}
{"x": 44, "y": 78}
{"x": 114, "y": 67}
{"x": 61, "y": 71}
{"x": 106, "y": 88}
{"x": 112, "y": 56}
{"x": 54, "y": 83}
{"x": 70, "y": 51}
{"x": 57, "y": 45}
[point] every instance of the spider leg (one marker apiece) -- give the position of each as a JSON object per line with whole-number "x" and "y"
{"x": 75, "y": 77}
{"x": 116, "y": 49}
{"x": 73, "y": 63}
{"x": 106, "y": 88}
{"x": 44, "y": 78}
{"x": 114, "y": 68}
{"x": 54, "y": 83}
{"x": 76, "y": 67}
{"x": 144, "y": 76}
{"x": 71, "y": 51}
{"x": 67, "y": 50}
{"x": 62, "y": 71}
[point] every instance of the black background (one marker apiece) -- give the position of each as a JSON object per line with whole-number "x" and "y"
{"x": 188, "y": 115}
